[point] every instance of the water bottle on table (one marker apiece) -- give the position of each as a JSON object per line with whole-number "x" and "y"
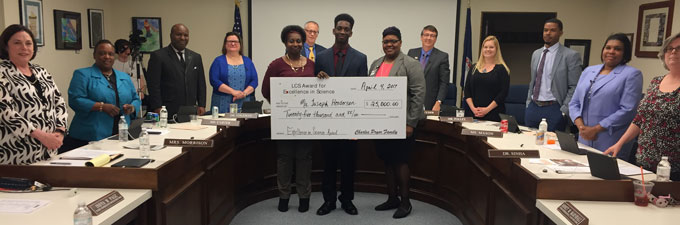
{"x": 542, "y": 130}
{"x": 663, "y": 170}
{"x": 82, "y": 215}
{"x": 144, "y": 145}
{"x": 122, "y": 129}
{"x": 164, "y": 118}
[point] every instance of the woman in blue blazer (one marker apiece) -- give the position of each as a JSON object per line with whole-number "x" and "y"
{"x": 607, "y": 96}
{"x": 232, "y": 75}
{"x": 97, "y": 104}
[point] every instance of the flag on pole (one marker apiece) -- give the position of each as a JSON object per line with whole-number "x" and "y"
{"x": 467, "y": 57}
{"x": 237, "y": 18}
{"x": 467, "y": 50}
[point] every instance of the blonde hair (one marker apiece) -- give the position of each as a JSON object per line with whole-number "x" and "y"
{"x": 498, "y": 59}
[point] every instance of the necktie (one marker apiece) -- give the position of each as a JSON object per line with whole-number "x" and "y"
{"x": 311, "y": 53}
{"x": 539, "y": 76}
{"x": 181, "y": 57}
{"x": 338, "y": 65}
{"x": 423, "y": 60}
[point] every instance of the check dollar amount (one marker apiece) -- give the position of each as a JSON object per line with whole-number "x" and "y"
{"x": 338, "y": 108}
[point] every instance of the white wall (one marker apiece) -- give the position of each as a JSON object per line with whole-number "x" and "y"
{"x": 208, "y": 21}
{"x": 583, "y": 19}
{"x": 371, "y": 18}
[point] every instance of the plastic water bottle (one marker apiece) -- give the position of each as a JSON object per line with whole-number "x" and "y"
{"x": 82, "y": 215}
{"x": 215, "y": 112}
{"x": 122, "y": 129}
{"x": 164, "y": 118}
{"x": 663, "y": 170}
{"x": 540, "y": 134}
{"x": 144, "y": 146}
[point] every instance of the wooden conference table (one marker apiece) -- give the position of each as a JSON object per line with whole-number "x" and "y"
{"x": 211, "y": 185}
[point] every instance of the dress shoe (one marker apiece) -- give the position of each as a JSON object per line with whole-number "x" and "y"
{"x": 283, "y": 205}
{"x": 349, "y": 208}
{"x": 402, "y": 211}
{"x": 391, "y": 203}
{"x": 326, "y": 208}
{"x": 304, "y": 205}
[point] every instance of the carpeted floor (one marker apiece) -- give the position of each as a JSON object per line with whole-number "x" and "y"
{"x": 265, "y": 213}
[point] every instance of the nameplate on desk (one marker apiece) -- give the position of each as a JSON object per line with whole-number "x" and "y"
{"x": 431, "y": 113}
{"x": 189, "y": 143}
{"x": 455, "y": 119}
{"x": 494, "y": 153}
{"x": 218, "y": 122}
{"x": 572, "y": 214}
{"x": 107, "y": 201}
{"x": 483, "y": 133}
{"x": 241, "y": 115}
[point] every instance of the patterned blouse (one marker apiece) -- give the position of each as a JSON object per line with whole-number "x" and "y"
{"x": 23, "y": 109}
{"x": 659, "y": 120}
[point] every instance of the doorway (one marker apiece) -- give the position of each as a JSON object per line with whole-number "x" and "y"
{"x": 519, "y": 34}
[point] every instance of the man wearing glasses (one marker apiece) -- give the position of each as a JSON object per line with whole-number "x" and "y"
{"x": 435, "y": 64}
{"x": 310, "y": 47}
{"x": 339, "y": 61}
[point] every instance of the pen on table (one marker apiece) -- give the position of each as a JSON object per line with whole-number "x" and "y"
{"x": 60, "y": 163}
{"x": 521, "y": 145}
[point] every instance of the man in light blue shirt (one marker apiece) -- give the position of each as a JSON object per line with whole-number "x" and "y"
{"x": 555, "y": 71}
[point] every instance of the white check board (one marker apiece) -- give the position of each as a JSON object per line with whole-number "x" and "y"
{"x": 338, "y": 108}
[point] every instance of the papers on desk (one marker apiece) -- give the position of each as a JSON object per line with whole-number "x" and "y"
{"x": 85, "y": 154}
{"x": 553, "y": 147}
{"x": 21, "y": 205}
{"x": 569, "y": 169}
{"x": 631, "y": 170}
{"x": 187, "y": 126}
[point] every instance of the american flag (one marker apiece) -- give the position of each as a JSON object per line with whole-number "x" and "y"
{"x": 237, "y": 18}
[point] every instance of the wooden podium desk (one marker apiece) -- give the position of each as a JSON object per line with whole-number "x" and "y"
{"x": 211, "y": 185}
{"x": 62, "y": 206}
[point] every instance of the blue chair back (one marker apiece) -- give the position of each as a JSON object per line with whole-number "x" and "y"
{"x": 451, "y": 95}
{"x": 515, "y": 102}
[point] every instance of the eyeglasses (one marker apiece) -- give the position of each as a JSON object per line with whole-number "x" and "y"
{"x": 312, "y": 31}
{"x": 393, "y": 41}
{"x": 233, "y": 42}
{"x": 430, "y": 35}
{"x": 670, "y": 49}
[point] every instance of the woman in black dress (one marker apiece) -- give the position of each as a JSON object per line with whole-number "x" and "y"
{"x": 487, "y": 83}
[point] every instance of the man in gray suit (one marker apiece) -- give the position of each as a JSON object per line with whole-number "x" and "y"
{"x": 435, "y": 64}
{"x": 175, "y": 76}
{"x": 555, "y": 71}
{"x": 310, "y": 48}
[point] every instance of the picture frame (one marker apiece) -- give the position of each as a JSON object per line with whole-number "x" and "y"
{"x": 67, "y": 30}
{"x": 582, "y": 46}
{"x": 152, "y": 30}
{"x": 31, "y": 16}
{"x": 654, "y": 25}
{"x": 95, "y": 21}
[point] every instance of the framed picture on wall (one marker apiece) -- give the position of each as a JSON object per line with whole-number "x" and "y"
{"x": 95, "y": 20}
{"x": 582, "y": 46}
{"x": 654, "y": 25}
{"x": 150, "y": 29}
{"x": 31, "y": 14}
{"x": 67, "y": 30}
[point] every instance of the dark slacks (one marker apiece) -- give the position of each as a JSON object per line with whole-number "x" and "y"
{"x": 340, "y": 154}
{"x": 552, "y": 114}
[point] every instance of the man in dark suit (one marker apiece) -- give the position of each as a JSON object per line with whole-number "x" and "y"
{"x": 436, "y": 66}
{"x": 310, "y": 48}
{"x": 555, "y": 71}
{"x": 340, "y": 60}
{"x": 175, "y": 76}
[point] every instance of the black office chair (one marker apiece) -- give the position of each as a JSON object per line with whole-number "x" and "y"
{"x": 515, "y": 102}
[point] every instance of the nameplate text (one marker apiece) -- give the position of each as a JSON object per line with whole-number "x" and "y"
{"x": 189, "y": 143}
{"x": 241, "y": 115}
{"x": 218, "y": 122}
{"x": 493, "y": 153}
{"x": 455, "y": 119}
{"x": 107, "y": 201}
{"x": 572, "y": 214}
{"x": 482, "y": 133}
